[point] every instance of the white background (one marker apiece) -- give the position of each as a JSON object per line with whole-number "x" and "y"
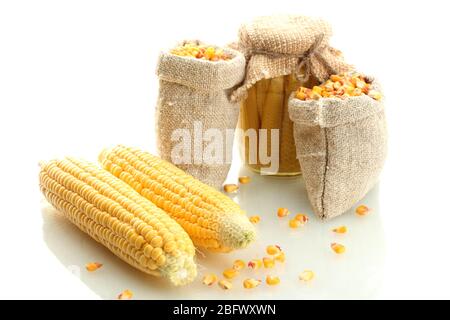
{"x": 76, "y": 76}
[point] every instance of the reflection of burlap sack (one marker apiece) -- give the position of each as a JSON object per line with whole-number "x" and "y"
{"x": 283, "y": 53}
{"x": 341, "y": 145}
{"x": 194, "y": 101}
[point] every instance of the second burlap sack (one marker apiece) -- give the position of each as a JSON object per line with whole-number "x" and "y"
{"x": 194, "y": 114}
{"x": 341, "y": 145}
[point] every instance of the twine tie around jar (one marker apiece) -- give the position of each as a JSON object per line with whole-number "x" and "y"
{"x": 304, "y": 59}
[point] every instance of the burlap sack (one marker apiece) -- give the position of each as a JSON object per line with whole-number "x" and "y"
{"x": 194, "y": 103}
{"x": 341, "y": 145}
{"x": 287, "y": 44}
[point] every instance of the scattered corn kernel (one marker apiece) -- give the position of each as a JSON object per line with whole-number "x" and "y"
{"x": 268, "y": 262}
{"x": 255, "y": 264}
{"x": 303, "y": 218}
{"x": 202, "y": 52}
{"x": 338, "y": 248}
{"x": 230, "y": 188}
{"x": 273, "y": 250}
{"x": 92, "y": 266}
{"x": 238, "y": 265}
{"x": 251, "y": 283}
{"x": 230, "y": 273}
{"x": 272, "y": 280}
{"x": 244, "y": 179}
{"x": 341, "y": 229}
{"x": 125, "y": 295}
{"x": 281, "y": 257}
{"x": 339, "y": 86}
{"x": 209, "y": 279}
{"x": 282, "y": 212}
{"x": 306, "y": 275}
{"x": 294, "y": 223}
{"x": 254, "y": 219}
{"x": 225, "y": 284}
{"x": 362, "y": 210}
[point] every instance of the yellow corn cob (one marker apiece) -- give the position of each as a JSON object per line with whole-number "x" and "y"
{"x": 115, "y": 215}
{"x": 211, "y": 219}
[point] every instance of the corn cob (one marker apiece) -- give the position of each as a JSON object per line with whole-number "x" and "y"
{"x": 115, "y": 215}
{"x": 211, "y": 219}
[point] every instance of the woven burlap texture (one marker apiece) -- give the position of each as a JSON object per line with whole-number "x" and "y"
{"x": 194, "y": 91}
{"x": 276, "y": 45}
{"x": 342, "y": 146}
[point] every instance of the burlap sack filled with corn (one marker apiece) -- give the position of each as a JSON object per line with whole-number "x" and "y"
{"x": 282, "y": 52}
{"x": 195, "y": 117}
{"x": 342, "y": 146}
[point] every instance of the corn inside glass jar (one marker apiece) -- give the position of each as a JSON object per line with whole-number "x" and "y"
{"x": 267, "y": 142}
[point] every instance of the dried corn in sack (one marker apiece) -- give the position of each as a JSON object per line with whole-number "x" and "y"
{"x": 341, "y": 144}
{"x": 282, "y": 53}
{"x": 116, "y": 216}
{"x": 212, "y": 220}
{"x": 195, "y": 117}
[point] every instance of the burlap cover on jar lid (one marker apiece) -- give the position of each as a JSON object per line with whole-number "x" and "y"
{"x": 342, "y": 146}
{"x": 280, "y": 45}
{"x": 194, "y": 102}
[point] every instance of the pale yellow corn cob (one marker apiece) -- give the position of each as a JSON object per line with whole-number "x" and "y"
{"x": 211, "y": 219}
{"x": 115, "y": 215}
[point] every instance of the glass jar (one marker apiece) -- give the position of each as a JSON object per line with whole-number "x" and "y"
{"x": 267, "y": 142}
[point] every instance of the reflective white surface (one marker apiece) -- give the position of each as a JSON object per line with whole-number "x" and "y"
{"x": 356, "y": 274}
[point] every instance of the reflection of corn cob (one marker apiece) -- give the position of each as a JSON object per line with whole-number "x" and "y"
{"x": 119, "y": 218}
{"x": 211, "y": 219}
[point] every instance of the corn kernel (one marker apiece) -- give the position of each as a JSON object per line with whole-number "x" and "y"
{"x": 125, "y": 295}
{"x": 362, "y": 210}
{"x": 317, "y": 89}
{"x": 225, "y": 284}
{"x": 238, "y": 265}
{"x": 294, "y": 223}
{"x": 341, "y": 229}
{"x": 244, "y": 179}
{"x": 230, "y": 273}
{"x": 255, "y": 264}
{"x": 303, "y": 218}
{"x": 316, "y": 96}
{"x": 338, "y": 248}
{"x": 254, "y": 219}
{"x": 374, "y": 95}
{"x": 282, "y": 212}
{"x": 268, "y": 262}
{"x": 93, "y": 266}
{"x": 306, "y": 275}
{"x": 272, "y": 280}
{"x": 251, "y": 283}
{"x": 335, "y": 78}
{"x": 281, "y": 257}
{"x": 209, "y": 279}
{"x": 273, "y": 250}
{"x": 360, "y": 84}
{"x": 230, "y": 188}
{"x": 301, "y": 95}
